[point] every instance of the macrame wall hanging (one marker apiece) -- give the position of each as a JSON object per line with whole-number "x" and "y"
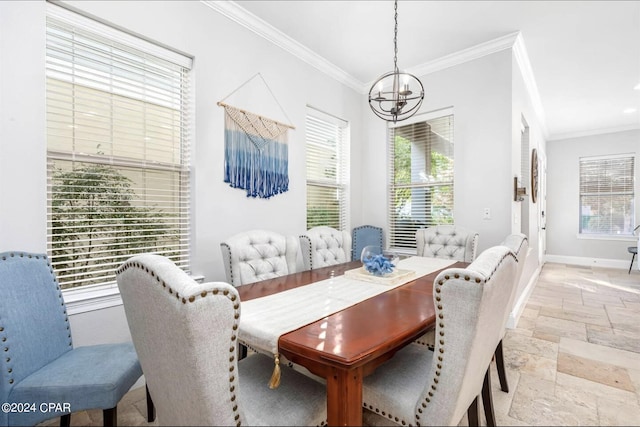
{"x": 256, "y": 152}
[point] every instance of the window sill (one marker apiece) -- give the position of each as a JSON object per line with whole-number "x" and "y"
{"x": 611, "y": 237}
{"x": 96, "y": 297}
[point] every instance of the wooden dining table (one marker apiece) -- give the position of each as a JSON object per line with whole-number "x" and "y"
{"x": 346, "y": 346}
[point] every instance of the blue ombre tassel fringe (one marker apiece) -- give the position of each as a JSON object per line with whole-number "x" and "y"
{"x": 256, "y": 164}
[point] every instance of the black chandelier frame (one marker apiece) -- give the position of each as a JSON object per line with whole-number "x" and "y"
{"x": 394, "y": 96}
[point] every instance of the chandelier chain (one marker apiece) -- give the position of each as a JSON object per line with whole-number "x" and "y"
{"x": 395, "y": 38}
{"x": 395, "y": 95}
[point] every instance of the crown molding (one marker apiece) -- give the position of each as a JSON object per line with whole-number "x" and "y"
{"x": 522, "y": 58}
{"x": 466, "y": 55}
{"x": 601, "y": 131}
{"x": 238, "y": 14}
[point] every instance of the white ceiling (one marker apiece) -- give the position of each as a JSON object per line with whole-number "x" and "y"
{"x": 584, "y": 55}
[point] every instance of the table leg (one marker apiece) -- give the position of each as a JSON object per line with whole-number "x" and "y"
{"x": 344, "y": 397}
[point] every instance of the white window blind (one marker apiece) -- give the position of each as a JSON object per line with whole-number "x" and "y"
{"x": 117, "y": 152}
{"x": 607, "y": 205}
{"x": 420, "y": 179}
{"x": 327, "y": 141}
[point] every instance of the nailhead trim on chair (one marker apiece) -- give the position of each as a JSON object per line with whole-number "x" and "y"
{"x": 6, "y": 347}
{"x": 440, "y": 349}
{"x": 440, "y": 343}
{"x": 524, "y": 239}
{"x": 474, "y": 244}
{"x": 354, "y": 243}
{"x": 230, "y": 263}
{"x": 308, "y": 243}
{"x": 215, "y": 291}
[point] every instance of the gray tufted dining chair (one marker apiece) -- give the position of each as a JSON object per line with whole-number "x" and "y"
{"x": 519, "y": 245}
{"x": 255, "y": 255}
{"x": 324, "y": 246}
{"x": 421, "y": 387}
{"x": 447, "y": 241}
{"x": 185, "y": 334}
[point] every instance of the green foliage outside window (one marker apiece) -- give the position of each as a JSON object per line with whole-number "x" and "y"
{"x": 439, "y": 194}
{"x": 317, "y": 216}
{"x": 96, "y": 224}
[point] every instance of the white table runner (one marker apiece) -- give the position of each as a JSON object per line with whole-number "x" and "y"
{"x": 264, "y": 320}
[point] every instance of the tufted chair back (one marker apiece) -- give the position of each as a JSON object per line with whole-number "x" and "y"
{"x": 34, "y": 327}
{"x": 447, "y": 241}
{"x": 257, "y": 255}
{"x": 185, "y": 334}
{"x": 324, "y": 246}
{"x": 365, "y": 235}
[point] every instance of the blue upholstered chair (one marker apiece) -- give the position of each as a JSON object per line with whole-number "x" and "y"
{"x": 365, "y": 235}
{"x": 186, "y": 334}
{"x": 39, "y": 364}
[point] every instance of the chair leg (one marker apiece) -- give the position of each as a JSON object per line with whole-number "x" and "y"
{"x": 65, "y": 420}
{"x": 633, "y": 256}
{"x": 151, "y": 409}
{"x": 473, "y": 414}
{"x": 487, "y": 399}
{"x": 110, "y": 416}
{"x": 242, "y": 351}
{"x": 502, "y": 373}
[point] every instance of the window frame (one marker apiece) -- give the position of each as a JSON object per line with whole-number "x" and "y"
{"x": 342, "y": 165}
{"x": 391, "y": 215}
{"x": 608, "y": 236}
{"x": 100, "y": 296}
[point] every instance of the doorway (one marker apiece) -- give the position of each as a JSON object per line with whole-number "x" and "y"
{"x": 524, "y": 176}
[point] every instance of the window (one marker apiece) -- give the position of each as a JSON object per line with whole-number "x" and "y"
{"x": 420, "y": 178}
{"x": 117, "y": 150}
{"x": 327, "y": 170}
{"x": 607, "y": 196}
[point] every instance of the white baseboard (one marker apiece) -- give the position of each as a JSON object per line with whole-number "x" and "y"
{"x": 590, "y": 262}
{"x": 518, "y": 307}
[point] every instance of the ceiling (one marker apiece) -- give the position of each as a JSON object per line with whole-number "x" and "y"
{"x": 584, "y": 55}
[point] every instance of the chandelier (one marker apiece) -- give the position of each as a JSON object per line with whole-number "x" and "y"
{"x": 396, "y": 96}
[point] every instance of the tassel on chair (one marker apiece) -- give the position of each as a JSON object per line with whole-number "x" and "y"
{"x": 275, "y": 377}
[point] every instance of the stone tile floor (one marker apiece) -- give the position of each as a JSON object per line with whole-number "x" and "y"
{"x": 574, "y": 358}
